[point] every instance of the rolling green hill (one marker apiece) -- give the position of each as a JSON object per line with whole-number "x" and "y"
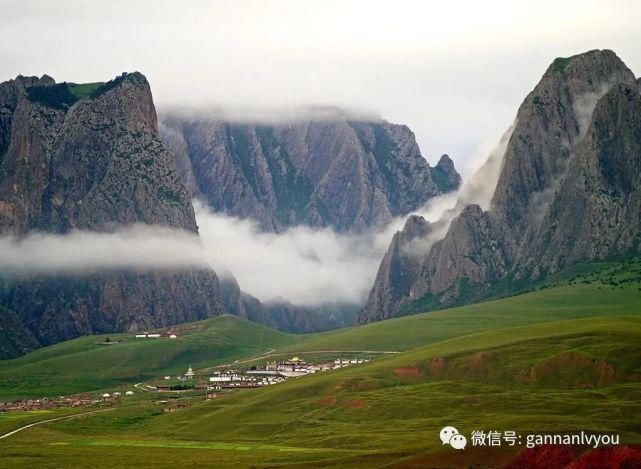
{"x": 590, "y": 290}
{"x": 565, "y": 357}
{"x": 81, "y": 365}
{"x": 568, "y": 376}
{"x": 581, "y": 374}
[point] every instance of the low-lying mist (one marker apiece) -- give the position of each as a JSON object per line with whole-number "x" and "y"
{"x": 303, "y": 265}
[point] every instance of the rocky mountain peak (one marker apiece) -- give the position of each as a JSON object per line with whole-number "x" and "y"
{"x": 132, "y": 92}
{"x": 397, "y": 271}
{"x": 415, "y": 225}
{"x": 27, "y": 82}
{"x": 550, "y": 122}
{"x": 88, "y": 157}
{"x": 94, "y": 159}
{"x": 445, "y": 174}
{"x": 568, "y": 190}
{"x": 350, "y": 175}
{"x": 589, "y": 69}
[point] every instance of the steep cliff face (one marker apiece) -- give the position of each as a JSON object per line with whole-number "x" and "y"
{"x": 567, "y": 191}
{"x": 445, "y": 175}
{"x": 89, "y": 157}
{"x": 596, "y": 211}
{"x": 349, "y": 175}
{"x": 397, "y": 272}
{"x": 550, "y": 123}
{"x": 93, "y": 164}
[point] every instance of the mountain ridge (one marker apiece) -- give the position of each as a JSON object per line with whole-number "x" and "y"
{"x": 541, "y": 172}
{"x": 350, "y": 175}
{"x": 93, "y": 163}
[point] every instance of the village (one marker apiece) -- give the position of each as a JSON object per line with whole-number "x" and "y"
{"x": 214, "y": 383}
{"x": 274, "y": 373}
{"x": 60, "y": 402}
{"x": 252, "y": 377}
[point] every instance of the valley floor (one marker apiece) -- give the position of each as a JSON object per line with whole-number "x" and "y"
{"x": 562, "y": 359}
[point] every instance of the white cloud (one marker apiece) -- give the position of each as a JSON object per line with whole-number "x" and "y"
{"x": 455, "y": 72}
{"x": 138, "y": 246}
{"x": 303, "y": 265}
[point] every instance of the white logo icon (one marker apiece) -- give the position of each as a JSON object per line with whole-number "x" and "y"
{"x": 451, "y": 436}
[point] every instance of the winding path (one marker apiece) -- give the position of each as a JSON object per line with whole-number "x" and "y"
{"x": 142, "y": 387}
{"x": 273, "y": 352}
{"x": 64, "y": 417}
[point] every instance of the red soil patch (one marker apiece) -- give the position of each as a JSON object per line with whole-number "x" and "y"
{"x": 589, "y": 372}
{"x": 408, "y": 372}
{"x": 569, "y": 457}
{"x": 355, "y": 404}
{"x": 609, "y": 457}
{"x": 436, "y": 365}
{"x": 544, "y": 456}
{"x": 326, "y": 401}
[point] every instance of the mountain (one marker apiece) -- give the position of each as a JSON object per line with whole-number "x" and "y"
{"x": 568, "y": 190}
{"x": 88, "y": 157}
{"x": 330, "y": 171}
{"x": 282, "y": 314}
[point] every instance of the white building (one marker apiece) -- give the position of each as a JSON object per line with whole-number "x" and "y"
{"x": 147, "y": 335}
{"x": 220, "y": 379}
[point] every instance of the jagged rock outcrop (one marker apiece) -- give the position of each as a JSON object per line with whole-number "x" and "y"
{"x": 596, "y": 211}
{"x": 89, "y": 157}
{"x": 445, "y": 175}
{"x": 550, "y": 123}
{"x": 567, "y": 191}
{"x": 397, "y": 271}
{"x": 15, "y": 338}
{"x": 328, "y": 172}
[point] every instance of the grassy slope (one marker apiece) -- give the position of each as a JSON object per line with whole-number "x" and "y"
{"x": 550, "y": 304}
{"x": 566, "y": 358}
{"x": 573, "y": 375}
{"x": 400, "y": 403}
{"x": 81, "y": 365}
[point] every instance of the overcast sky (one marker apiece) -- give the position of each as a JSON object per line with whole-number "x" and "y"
{"x": 455, "y": 72}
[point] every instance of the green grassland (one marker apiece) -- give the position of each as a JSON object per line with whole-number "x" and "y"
{"x": 580, "y": 374}
{"x": 83, "y": 90}
{"x": 565, "y": 357}
{"x": 81, "y": 365}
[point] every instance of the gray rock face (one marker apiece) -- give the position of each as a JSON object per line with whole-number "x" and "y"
{"x": 15, "y": 338}
{"x": 345, "y": 174}
{"x": 397, "y": 272}
{"x": 445, "y": 175}
{"x": 596, "y": 211}
{"x": 94, "y": 165}
{"x": 568, "y": 190}
{"x": 550, "y": 122}
{"x": 93, "y": 161}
